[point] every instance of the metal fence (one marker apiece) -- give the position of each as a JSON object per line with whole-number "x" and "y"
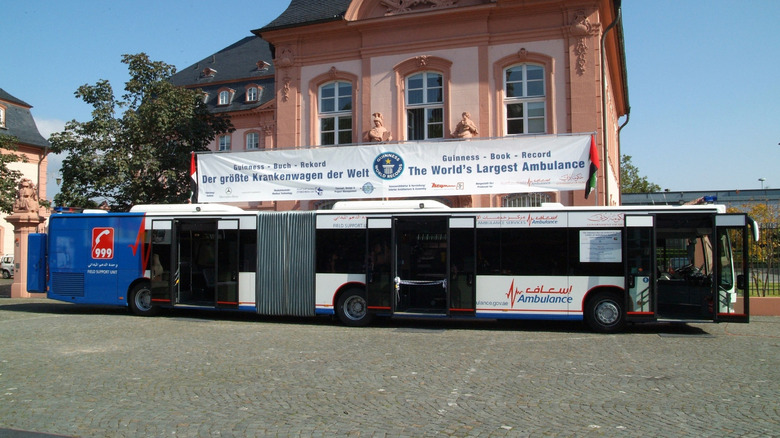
{"x": 765, "y": 262}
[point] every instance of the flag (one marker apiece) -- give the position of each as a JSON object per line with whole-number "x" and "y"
{"x": 193, "y": 179}
{"x": 594, "y": 166}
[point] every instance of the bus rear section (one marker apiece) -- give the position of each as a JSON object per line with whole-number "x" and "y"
{"x": 88, "y": 258}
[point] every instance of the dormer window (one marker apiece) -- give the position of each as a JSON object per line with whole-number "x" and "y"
{"x": 252, "y": 93}
{"x": 208, "y": 72}
{"x": 263, "y": 66}
{"x": 205, "y": 97}
{"x": 2, "y": 117}
{"x": 225, "y": 96}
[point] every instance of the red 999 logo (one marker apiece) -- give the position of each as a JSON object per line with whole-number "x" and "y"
{"x": 102, "y": 243}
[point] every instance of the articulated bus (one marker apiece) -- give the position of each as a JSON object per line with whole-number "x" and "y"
{"x": 607, "y": 266}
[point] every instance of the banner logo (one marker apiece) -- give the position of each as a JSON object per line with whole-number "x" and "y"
{"x": 388, "y": 165}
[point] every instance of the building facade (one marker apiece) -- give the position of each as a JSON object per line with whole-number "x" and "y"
{"x": 347, "y": 72}
{"x": 16, "y": 120}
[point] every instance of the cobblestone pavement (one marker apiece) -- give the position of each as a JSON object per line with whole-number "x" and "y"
{"x": 94, "y": 372}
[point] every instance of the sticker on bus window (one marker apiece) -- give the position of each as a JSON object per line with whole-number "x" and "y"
{"x": 102, "y": 243}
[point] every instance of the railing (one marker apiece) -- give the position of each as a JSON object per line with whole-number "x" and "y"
{"x": 765, "y": 263}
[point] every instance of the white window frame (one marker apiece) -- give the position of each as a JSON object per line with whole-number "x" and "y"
{"x": 531, "y": 96}
{"x": 252, "y": 94}
{"x": 425, "y": 104}
{"x": 330, "y": 111}
{"x": 253, "y": 144}
{"x": 223, "y": 142}
{"x": 224, "y": 97}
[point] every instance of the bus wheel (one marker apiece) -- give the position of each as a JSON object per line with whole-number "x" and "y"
{"x": 352, "y": 308}
{"x": 140, "y": 300}
{"x": 604, "y": 313}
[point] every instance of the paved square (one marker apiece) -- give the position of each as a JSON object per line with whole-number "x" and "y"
{"x": 89, "y": 371}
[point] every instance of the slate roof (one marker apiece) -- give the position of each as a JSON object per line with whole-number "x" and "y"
{"x": 236, "y": 67}
{"x": 301, "y": 12}
{"x": 19, "y": 122}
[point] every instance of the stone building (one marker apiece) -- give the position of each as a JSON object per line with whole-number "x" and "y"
{"x": 16, "y": 120}
{"x": 332, "y": 72}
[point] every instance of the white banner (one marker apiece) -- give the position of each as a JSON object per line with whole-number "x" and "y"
{"x": 414, "y": 169}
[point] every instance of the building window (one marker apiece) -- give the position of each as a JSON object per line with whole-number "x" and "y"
{"x": 251, "y": 94}
{"x": 2, "y": 117}
{"x": 252, "y": 141}
{"x": 525, "y": 199}
{"x": 525, "y": 99}
{"x": 424, "y": 106}
{"x": 224, "y": 142}
{"x": 335, "y": 113}
{"x": 225, "y": 96}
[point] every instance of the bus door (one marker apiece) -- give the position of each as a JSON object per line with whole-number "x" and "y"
{"x": 379, "y": 264}
{"x": 640, "y": 271}
{"x": 161, "y": 263}
{"x": 421, "y": 265}
{"x": 731, "y": 268}
{"x": 463, "y": 266}
{"x": 226, "y": 267}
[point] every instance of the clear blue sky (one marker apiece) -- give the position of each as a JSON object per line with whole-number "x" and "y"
{"x": 702, "y": 74}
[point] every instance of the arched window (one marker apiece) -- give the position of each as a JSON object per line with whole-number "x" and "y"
{"x": 251, "y": 94}
{"x": 424, "y": 106}
{"x": 335, "y": 113}
{"x": 525, "y": 99}
{"x": 423, "y": 103}
{"x": 224, "y": 97}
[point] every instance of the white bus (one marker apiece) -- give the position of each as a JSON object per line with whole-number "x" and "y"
{"x": 361, "y": 260}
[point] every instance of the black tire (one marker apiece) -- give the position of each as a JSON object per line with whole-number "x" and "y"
{"x": 605, "y": 313}
{"x": 352, "y": 308}
{"x": 140, "y": 300}
{"x": 6, "y": 274}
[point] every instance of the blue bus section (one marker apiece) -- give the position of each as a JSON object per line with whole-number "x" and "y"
{"x": 607, "y": 266}
{"x": 87, "y": 253}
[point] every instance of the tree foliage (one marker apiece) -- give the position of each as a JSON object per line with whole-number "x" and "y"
{"x": 9, "y": 178}
{"x": 630, "y": 179}
{"x": 141, "y": 156}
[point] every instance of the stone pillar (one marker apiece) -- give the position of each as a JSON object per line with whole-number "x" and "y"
{"x": 24, "y": 224}
{"x": 25, "y": 219}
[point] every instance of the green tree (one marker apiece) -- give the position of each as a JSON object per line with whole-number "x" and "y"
{"x": 630, "y": 179}
{"x": 9, "y": 178}
{"x": 141, "y": 156}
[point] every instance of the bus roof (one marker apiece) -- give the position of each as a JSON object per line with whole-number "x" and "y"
{"x": 187, "y": 208}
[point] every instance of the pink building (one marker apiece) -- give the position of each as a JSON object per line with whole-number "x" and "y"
{"x": 322, "y": 72}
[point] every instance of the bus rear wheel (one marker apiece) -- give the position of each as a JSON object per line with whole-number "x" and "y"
{"x": 352, "y": 308}
{"x": 140, "y": 301}
{"x": 605, "y": 313}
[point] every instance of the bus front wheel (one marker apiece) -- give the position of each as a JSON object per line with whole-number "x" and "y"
{"x": 140, "y": 301}
{"x": 352, "y": 308}
{"x": 605, "y": 313}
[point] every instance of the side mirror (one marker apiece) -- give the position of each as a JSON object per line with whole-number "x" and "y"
{"x": 741, "y": 282}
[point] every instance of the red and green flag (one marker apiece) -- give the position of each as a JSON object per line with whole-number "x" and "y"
{"x": 594, "y": 166}
{"x": 193, "y": 179}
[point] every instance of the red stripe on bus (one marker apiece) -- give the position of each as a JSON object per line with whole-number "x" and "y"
{"x": 378, "y": 308}
{"x": 160, "y": 300}
{"x": 228, "y": 302}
